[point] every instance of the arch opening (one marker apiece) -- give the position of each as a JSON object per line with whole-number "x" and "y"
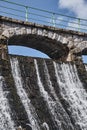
{"x": 48, "y": 46}
{"x": 84, "y": 58}
{"x": 84, "y": 55}
{"x": 26, "y": 51}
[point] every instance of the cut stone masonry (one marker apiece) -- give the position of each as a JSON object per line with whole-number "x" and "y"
{"x": 58, "y": 44}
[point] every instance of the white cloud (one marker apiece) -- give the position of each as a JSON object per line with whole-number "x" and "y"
{"x": 79, "y": 7}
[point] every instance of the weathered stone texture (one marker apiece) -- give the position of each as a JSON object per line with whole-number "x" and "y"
{"x": 60, "y": 45}
{"x": 30, "y": 84}
{"x": 56, "y": 43}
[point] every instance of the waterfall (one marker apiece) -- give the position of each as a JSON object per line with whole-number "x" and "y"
{"x": 73, "y": 93}
{"x": 47, "y": 76}
{"x": 52, "y": 105}
{"x": 86, "y": 67}
{"x": 6, "y": 123}
{"x": 47, "y": 98}
{"x": 32, "y": 116}
{"x": 63, "y": 95}
{"x": 64, "y": 115}
{"x": 45, "y": 126}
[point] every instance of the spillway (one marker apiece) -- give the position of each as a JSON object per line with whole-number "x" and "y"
{"x": 46, "y": 95}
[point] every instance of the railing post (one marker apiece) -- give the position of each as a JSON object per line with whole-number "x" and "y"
{"x": 78, "y": 24}
{"x": 53, "y": 20}
{"x": 26, "y": 15}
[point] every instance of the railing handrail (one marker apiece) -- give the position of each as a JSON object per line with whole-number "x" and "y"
{"x": 45, "y": 11}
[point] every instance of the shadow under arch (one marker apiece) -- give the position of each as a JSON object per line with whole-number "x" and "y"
{"x": 84, "y": 55}
{"x": 50, "y": 47}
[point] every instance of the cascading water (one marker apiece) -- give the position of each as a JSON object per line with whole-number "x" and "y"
{"x": 64, "y": 117}
{"x": 52, "y": 105}
{"x": 73, "y": 93}
{"x": 86, "y": 67}
{"x": 6, "y": 123}
{"x": 32, "y": 116}
{"x": 45, "y": 126}
{"x": 51, "y": 94}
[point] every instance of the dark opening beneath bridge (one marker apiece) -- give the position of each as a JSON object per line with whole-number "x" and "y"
{"x": 84, "y": 58}
{"x": 26, "y": 51}
{"x": 84, "y": 55}
{"x": 52, "y": 48}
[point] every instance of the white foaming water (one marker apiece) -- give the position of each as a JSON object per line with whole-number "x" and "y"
{"x": 86, "y": 67}
{"x": 49, "y": 82}
{"x": 52, "y": 91}
{"x": 32, "y": 116}
{"x": 6, "y": 123}
{"x": 73, "y": 92}
{"x": 51, "y": 104}
{"x": 47, "y": 98}
{"x": 45, "y": 126}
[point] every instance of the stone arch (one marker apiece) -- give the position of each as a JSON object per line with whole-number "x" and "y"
{"x": 84, "y": 55}
{"x": 50, "y": 47}
{"x": 84, "y": 51}
{"x": 56, "y": 43}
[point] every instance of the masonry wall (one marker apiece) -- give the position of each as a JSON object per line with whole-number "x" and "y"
{"x": 47, "y": 98}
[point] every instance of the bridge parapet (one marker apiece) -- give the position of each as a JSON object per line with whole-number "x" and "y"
{"x": 55, "y": 42}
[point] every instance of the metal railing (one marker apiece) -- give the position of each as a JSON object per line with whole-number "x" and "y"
{"x": 31, "y": 14}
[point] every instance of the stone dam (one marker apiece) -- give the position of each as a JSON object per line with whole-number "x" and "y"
{"x": 42, "y": 94}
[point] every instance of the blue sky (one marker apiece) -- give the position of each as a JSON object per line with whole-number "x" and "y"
{"x": 51, "y": 5}
{"x": 77, "y": 8}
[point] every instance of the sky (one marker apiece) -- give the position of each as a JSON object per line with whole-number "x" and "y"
{"x": 77, "y": 8}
